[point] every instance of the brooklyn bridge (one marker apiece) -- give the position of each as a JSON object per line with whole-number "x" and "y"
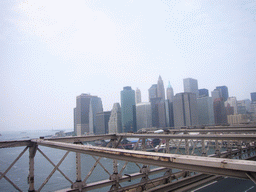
{"x": 173, "y": 160}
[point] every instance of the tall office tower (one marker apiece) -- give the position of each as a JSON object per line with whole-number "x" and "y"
{"x": 243, "y": 106}
{"x": 101, "y": 124}
{"x": 185, "y": 109}
{"x": 220, "y": 114}
{"x": 205, "y": 111}
{"x": 253, "y": 97}
{"x": 169, "y": 93}
{"x": 229, "y": 109}
{"x": 152, "y": 92}
{"x": 253, "y": 110}
{"x": 95, "y": 107}
{"x": 75, "y": 120}
{"x": 82, "y": 114}
{"x": 216, "y": 94}
{"x": 114, "y": 123}
{"x": 223, "y": 92}
{"x": 160, "y": 88}
{"x": 143, "y": 115}
{"x": 190, "y": 86}
{"x": 158, "y": 112}
{"x": 231, "y": 103}
{"x": 169, "y": 106}
{"x": 167, "y": 113}
{"x": 86, "y": 108}
{"x": 247, "y": 104}
{"x": 171, "y": 114}
{"x": 128, "y": 109}
{"x": 203, "y": 93}
{"x": 137, "y": 96}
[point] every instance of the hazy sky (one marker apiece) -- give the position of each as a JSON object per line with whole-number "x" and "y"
{"x": 52, "y": 51}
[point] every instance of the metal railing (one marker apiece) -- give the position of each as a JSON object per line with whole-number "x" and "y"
{"x": 190, "y": 153}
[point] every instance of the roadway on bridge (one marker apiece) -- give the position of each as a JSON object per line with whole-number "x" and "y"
{"x": 228, "y": 185}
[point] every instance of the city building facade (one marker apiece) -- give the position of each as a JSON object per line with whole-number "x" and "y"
{"x": 160, "y": 88}
{"x": 215, "y": 94}
{"x": 128, "y": 111}
{"x": 137, "y": 96}
{"x": 85, "y": 113}
{"x": 143, "y": 115}
{"x": 205, "y": 111}
{"x": 190, "y": 86}
{"x": 231, "y": 102}
{"x": 203, "y": 93}
{"x": 115, "y": 122}
{"x": 169, "y": 93}
{"x": 185, "y": 109}
{"x": 101, "y": 124}
{"x": 223, "y": 92}
{"x": 253, "y": 97}
{"x": 220, "y": 114}
{"x": 152, "y": 92}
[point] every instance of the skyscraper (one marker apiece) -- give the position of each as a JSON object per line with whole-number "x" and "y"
{"x": 169, "y": 106}
{"x": 86, "y": 108}
{"x": 101, "y": 124}
{"x": 253, "y": 97}
{"x": 203, "y": 93}
{"x": 220, "y": 114}
{"x": 137, "y": 96}
{"x": 169, "y": 93}
{"x": 158, "y": 112}
{"x": 223, "y": 92}
{"x": 216, "y": 94}
{"x": 232, "y": 102}
{"x": 205, "y": 111}
{"x": 127, "y": 109}
{"x": 143, "y": 115}
{"x": 160, "y": 88}
{"x": 157, "y": 99}
{"x": 114, "y": 123}
{"x": 75, "y": 120}
{"x": 95, "y": 107}
{"x": 190, "y": 86}
{"x": 152, "y": 92}
{"x": 185, "y": 109}
{"x": 243, "y": 106}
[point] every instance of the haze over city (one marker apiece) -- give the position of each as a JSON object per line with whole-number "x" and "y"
{"x": 52, "y": 51}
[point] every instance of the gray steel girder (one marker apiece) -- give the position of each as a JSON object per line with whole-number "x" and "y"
{"x": 209, "y": 165}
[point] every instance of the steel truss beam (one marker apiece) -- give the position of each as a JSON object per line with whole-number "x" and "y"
{"x": 104, "y": 183}
{"x": 237, "y": 130}
{"x": 250, "y": 137}
{"x": 17, "y": 143}
{"x": 208, "y": 165}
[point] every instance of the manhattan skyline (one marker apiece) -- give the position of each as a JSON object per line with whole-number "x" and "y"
{"x": 48, "y": 57}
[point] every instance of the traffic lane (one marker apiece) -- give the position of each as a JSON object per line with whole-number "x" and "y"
{"x": 229, "y": 185}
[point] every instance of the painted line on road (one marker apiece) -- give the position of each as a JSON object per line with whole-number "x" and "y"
{"x": 204, "y": 186}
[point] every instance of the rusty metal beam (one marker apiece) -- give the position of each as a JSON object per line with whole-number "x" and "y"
{"x": 104, "y": 183}
{"x": 238, "y": 130}
{"x": 77, "y": 139}
{"x": 187, "y": 136}
{"x": 16, "y": 143}
{"x": 208, "y": 165}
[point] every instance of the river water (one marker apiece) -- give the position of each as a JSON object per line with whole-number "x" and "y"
{"x": 19, "y": 172}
